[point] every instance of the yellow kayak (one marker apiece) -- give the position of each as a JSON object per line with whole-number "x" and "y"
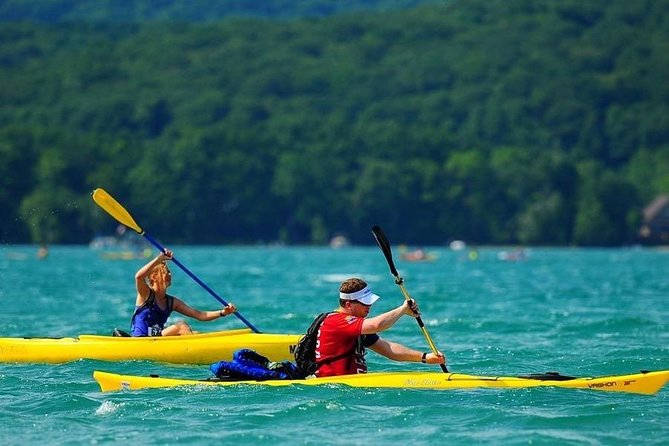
{"x": 646, "y": 383}
{"x": 203, "y": 348}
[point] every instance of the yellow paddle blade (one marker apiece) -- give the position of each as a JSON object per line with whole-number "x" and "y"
{"x": 113, "y": 208}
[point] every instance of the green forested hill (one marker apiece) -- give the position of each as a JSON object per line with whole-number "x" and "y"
{"x": 513, "y": 121}
{"x": 115, "y": 11}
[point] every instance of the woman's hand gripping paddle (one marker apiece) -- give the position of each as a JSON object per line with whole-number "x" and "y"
{"x": 383, "y": 243}
{"x": 113, "y": 208}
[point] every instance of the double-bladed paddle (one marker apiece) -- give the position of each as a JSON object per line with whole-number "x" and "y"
{"x": 384, "y": 244}
{"x": 114, "y": 208}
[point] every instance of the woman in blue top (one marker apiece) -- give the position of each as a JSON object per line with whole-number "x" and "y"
{"x": 154, "y": 305}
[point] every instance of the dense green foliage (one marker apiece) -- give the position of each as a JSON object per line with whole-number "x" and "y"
{"x": 50, "y": 11}
{"x": 516, "y": 121}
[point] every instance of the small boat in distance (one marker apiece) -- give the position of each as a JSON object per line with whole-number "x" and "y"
{"x": 417, "y": 255}
{"x": 124, "y": 245}
{"x": 339, "y": 241}
{"x": 126, "y": 255}
{"x": 516, "y": 255}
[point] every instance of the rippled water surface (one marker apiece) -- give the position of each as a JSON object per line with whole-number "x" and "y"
{"x": 576, "y": 311}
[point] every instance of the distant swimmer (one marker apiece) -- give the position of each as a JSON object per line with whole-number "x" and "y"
{"x": 473, "y": 255}
{"x": 42, "y": 252}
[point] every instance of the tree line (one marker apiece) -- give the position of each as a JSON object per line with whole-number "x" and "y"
{"x": 128, "y": 11}
{"x": 494, "y": 122}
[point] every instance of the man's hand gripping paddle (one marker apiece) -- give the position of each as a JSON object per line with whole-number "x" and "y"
{"x": 383, "y": 243}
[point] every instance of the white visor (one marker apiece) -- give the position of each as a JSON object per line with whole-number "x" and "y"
{"x": 364, "y": 296}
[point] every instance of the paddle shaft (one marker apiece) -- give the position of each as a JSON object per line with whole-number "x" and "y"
{"x": 197, "y": 279}
{"x": 114, "y": 208}
{"x": 384, "y": 244}
{"x": 419, "y": 320}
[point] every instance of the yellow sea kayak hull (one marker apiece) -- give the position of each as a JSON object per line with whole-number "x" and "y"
{"x": 204, "y": 348}
{"x": 644, "y": 383}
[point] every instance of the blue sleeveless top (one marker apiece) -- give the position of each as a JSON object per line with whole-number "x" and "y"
{"x": 149, "y": 319}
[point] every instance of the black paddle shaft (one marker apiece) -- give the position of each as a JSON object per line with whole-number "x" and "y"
{"x": 384, "y": 244}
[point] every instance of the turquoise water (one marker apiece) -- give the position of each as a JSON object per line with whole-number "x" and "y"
{"x": 576, "y": 311}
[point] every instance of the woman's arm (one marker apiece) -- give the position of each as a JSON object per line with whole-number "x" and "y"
{"x": 183, "y": 308}
{"x": 142, "y": 273}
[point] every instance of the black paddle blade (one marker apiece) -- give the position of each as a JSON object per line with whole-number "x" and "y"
{"x": 384, "y": 244}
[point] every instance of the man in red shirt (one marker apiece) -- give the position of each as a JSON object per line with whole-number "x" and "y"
{"x": 344, "y": 334}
